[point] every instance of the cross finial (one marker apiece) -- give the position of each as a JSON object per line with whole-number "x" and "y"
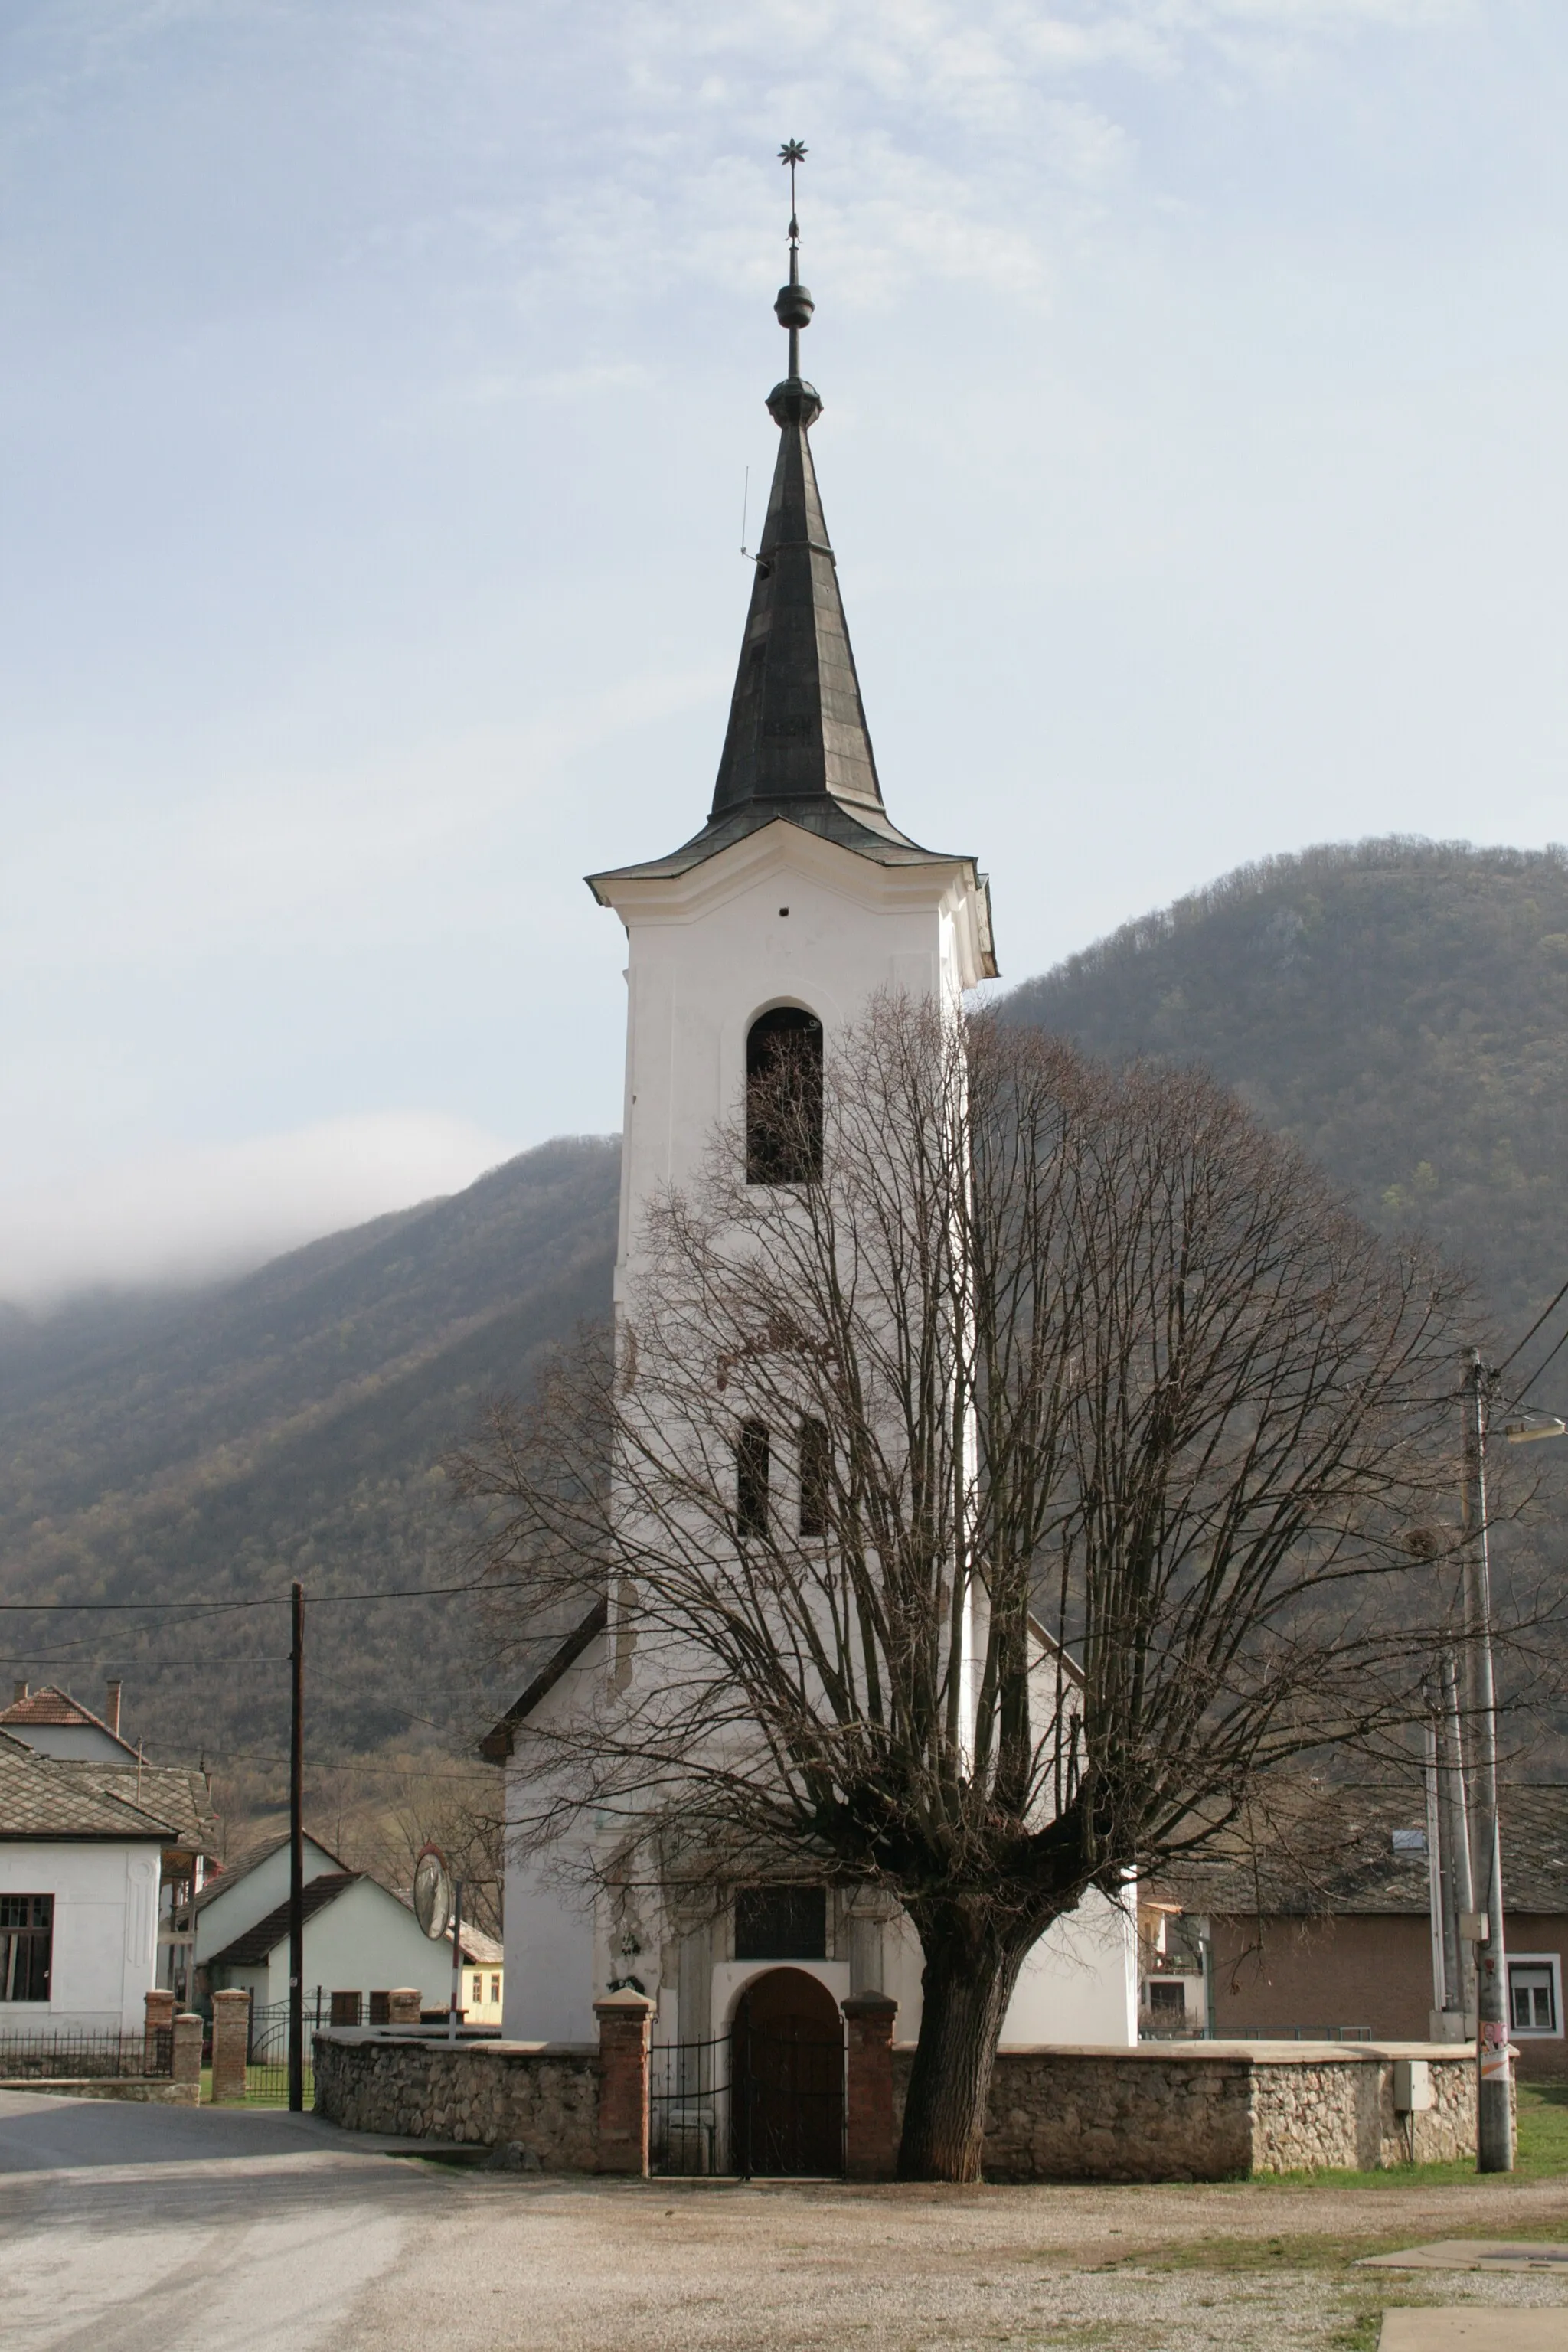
{"x": 793, "y": 308}
{"x": 791, "y": 152}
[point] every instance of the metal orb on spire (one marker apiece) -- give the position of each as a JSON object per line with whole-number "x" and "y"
{"x": 792, "y": 305}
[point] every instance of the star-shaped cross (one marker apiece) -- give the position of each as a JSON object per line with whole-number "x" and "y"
{"x": 791, "y": 152}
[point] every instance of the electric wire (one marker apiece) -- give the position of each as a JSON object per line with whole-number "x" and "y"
{"x": 1530, "y": 1334}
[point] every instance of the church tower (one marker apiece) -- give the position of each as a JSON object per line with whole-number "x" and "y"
{"x": 769, "y": 930}
{"x": 799, "y": 898}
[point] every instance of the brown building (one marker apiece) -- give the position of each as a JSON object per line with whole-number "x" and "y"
{"x": 1330, "y": 1932}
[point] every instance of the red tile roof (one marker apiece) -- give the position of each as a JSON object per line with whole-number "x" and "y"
{"x": 57, "y": 1708}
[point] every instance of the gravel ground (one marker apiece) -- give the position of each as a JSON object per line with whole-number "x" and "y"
{"x": 152, "y": 2230}
{"x": 655, "y": 2269}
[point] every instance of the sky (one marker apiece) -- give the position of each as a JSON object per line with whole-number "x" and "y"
{"x": 381, "y": 385}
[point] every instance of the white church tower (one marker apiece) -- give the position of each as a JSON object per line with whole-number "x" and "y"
{"x": 796, "y": 902}
{"x": 799, "y": 897}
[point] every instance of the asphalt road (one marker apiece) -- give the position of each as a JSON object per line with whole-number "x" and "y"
{"x": 130, "y": 2228}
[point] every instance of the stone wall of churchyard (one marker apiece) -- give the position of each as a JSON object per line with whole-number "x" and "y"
{"x": 542, "y": 2097}
{"x": 1166, "y": 2111}
{"x": 1214, "y": 2111}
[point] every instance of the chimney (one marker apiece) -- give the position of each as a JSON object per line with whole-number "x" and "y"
{"x": 18, "y": 1693}
{"x": 112, "y": 1704}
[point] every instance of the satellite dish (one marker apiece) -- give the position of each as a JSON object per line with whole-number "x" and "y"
{"x": 433, "y": 1892}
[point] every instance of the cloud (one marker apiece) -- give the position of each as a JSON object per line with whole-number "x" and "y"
{"x": 185, "y": 1216}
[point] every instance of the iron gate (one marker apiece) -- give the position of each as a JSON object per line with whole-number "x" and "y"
{"x": 267, "y": 2052}
{"x": 748, "y": 2102}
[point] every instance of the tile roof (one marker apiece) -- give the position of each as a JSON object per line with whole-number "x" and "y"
{"x": 176, "y": 1794}
{"x": 251, "y": 1859}
{"x": 57, "y": 1708}
{"x": 1333, "y": 1853}
{"x": 250, "y": 1949}
{"x": 43, "y": 1798}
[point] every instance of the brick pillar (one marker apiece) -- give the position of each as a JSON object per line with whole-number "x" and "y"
{"x": 871, "y": 2147}
{"x": 187, "y": 2028}
{"x": 624, "y": 2022}
{"x": 231, "y": 2035}
{"x": 403, "y": 2005}
{"x": 160, "y": 2018}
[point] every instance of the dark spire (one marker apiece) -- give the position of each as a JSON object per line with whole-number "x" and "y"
{"x": 797, "y": 731}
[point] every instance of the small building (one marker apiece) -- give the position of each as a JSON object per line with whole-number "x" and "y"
{"x": 362, "y": 1940}
{"x": 1331, "y": 1933}
{"x": 79, "y": 1867}
{"x": 50, "y": 1722}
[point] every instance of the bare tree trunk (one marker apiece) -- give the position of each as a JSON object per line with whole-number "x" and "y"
{"x": 966, "y": 1984}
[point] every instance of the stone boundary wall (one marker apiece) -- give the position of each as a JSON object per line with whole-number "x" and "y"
{"x": 542, "y": 2095}
{"x": 1166, "y": 2111}
{"x": 1215, "y": 2110}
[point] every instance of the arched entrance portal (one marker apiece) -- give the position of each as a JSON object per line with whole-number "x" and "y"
{"x": 786, "y": 2077}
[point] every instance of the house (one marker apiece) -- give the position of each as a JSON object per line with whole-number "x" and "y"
{"x": 50, "y": 1722}
{"x": 766, "y": 935}
{"x": 360, "y": 1939}
{"x": 1332, "y": 1931}
{"x": 79, "y": 1867}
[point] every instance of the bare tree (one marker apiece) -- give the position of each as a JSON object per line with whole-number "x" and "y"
{"x": 982, "y": 1519}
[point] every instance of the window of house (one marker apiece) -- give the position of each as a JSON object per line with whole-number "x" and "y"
{"x": 783, "y": 1097}
{"x": 27, "y": 1945}
{"x": 816, "y": 1476}
{"x": 494, "y": 1989}
{"x": 1535, "y": 1993}
{"x": 781, "y": 1923}
{"x": 1166, "y": 1998}
{"x": 479, "y": 1993}
{"x": 751, "y": 1479}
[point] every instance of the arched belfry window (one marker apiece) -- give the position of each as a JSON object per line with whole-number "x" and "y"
{"x": 783, "y": 1097}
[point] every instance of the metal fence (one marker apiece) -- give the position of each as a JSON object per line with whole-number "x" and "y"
{"x": 267, "y": 2052}
{"x": 1301, "y": 2034}
{"x": 66, "y": 2057}
{"x": 750, "y": 2103}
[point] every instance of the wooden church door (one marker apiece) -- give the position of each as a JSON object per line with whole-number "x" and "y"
{"x": 786, "y": 2077}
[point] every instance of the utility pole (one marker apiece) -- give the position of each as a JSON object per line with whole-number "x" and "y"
{"x": 297, "y": 1861}
{"x": 1494, "y": 2139}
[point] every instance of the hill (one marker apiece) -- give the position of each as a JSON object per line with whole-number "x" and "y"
{"x": 1399, "y": 1007}
{"x": 287, "y": 1426}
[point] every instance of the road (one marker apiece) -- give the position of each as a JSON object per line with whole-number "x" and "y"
{"x": 131, "y": 2229}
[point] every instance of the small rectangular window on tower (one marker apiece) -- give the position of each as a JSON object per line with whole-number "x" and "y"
{"x": 751, "y": 1479}
{"x": 816, "y": 1477}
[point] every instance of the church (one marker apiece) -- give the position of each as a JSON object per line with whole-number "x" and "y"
{"x": 797, "y": 902}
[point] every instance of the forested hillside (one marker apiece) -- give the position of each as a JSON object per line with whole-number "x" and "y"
{"x": 288, "y": 1424}
{"x": 1402, "y": 1008}
{"x": 1399, "y": 1007}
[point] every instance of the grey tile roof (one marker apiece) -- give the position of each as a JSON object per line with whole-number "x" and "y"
{"x": 176, "y": 1794}
{"x": 43, "y": 1798}
{"x": 1330, "y": 1851}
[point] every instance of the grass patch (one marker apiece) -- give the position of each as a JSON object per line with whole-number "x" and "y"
{"x": 1542, "y": 2155}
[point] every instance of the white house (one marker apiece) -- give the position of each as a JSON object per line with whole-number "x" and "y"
{"x": 360, "y": 1937}
{"x": 80, "y": 1872}
{"x": 51, "y": 1722}
{"x": 796, "y": 902}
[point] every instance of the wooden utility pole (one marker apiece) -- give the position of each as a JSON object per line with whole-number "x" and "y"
{"x": 297, "y": 1861}
{"x": 1494, "y": 2137}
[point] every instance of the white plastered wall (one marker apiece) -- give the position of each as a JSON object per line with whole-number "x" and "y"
{"x": 365, "y": 1940}
{"x": 710, "y": 952}
{"x": 239, "y": 1904}
{"x": 1079, "y": 1985}
{"x": 552, "y": 1980}
{"x": 105, "y": 1937}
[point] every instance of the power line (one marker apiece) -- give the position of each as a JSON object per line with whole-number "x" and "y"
{"x": 1530, "y": 1334}
{"x": 262, "y": 1601}
{"x": 1535, "y": 1375}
